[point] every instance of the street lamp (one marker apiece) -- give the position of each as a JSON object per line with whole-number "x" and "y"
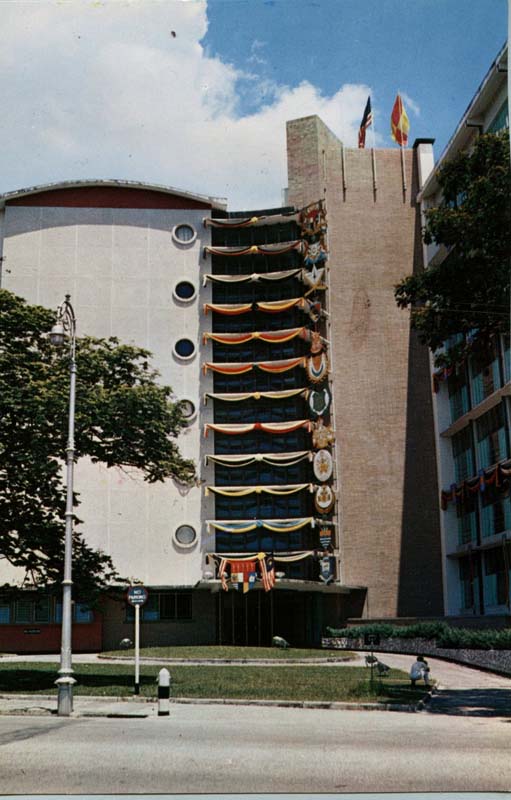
{"x": 65, "y": 328}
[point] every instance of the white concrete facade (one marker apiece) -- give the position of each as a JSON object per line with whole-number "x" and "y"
{"x": 121, "y": 266}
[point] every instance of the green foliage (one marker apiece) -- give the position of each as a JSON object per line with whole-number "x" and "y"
{"x": 123, "y": 418}
{"x": 439, "y": 632}
{"x": 468, "y": 293}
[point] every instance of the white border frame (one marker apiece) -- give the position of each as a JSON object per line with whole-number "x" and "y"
{"x": 184, "y": 300}
{"x": 179, "y": 241}
{"x": 184, "y": 358}
{"x": 180, "y": 544}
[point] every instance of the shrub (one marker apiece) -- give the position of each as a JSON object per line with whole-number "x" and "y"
{"x": 439, "y": 632}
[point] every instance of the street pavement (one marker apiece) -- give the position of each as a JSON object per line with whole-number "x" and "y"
{"x": 216, "y": 749}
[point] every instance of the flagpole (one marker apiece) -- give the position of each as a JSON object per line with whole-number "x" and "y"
{"x": 373, "y": 156}
{"x": 403, "y": 171}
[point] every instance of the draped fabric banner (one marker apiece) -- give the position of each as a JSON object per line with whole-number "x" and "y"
{"x": 256, "y": 249}
{"x": 254, "y": 277}
{"x": 244, "y": 491}
{"x": 228, "y": 309}
{"x": 299, "y": 555}
{"x": 246, "y": 222}
{"x": 274, "y": 459}
{"x": 237, "y": 429}
{"x": 493, "y": 476}
{"x": 236, "y": 397}
{"x": 272, "y": 337}
{"x": 229, "y": 368}
{"x": 441, "y": 375}
{"x": 314, "y": 310}
{"x": 274, "y": 525}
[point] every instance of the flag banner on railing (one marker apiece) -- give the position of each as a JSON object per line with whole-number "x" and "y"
{"x": 247, "y": 459}
{"x": 230, "y": 368}
{"x": 274, "y": 525}
{"x": 276, "y": 249}
{"x": 236, "y": 397}
{"x": 244, "y": 491}
{"x": 248, "y": 222}
{"x": 236, "y": 429}
{"x": 254, "y": 277}
{"x": 271, "y": 337}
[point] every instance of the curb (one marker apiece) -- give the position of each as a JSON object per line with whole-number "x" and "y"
{"x": 234, "y": 661}
{"x": 38, "y": 710}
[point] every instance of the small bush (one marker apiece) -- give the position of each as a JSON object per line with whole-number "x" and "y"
{"x": 439, "y": 632}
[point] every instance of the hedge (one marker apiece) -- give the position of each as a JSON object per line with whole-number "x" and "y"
{"x": 443, "y": 634}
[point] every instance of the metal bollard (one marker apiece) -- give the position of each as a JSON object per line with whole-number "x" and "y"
{"x": 163, "y": 692}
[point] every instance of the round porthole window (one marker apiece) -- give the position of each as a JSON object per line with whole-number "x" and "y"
{"x": 184, "y": 348}
{"x": 187, "y": 409}
{"x": 184, "y": 291}
{"x": 185, "y": 535}
{"x": 184, "y": 234}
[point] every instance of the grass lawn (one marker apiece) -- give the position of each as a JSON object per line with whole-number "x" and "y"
{"x": 232, "y": 653}
{"x": 321, "y": 683}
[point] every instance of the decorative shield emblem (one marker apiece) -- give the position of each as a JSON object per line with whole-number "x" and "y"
{"x": 319, "y": 401}
{"x": 317, "y": 367}
{"x": 325, "y": 538}
{"x": 323, "y": 465}
{"x": 313, "y": 277}
{"x": 315, "y": 253}
{"x": 326, "y": 569}
{"x": 313, "y": 220}
{"x": 316, "y": 342}
{"x": 324, "y": 499}
{"x": 322, "y": 435}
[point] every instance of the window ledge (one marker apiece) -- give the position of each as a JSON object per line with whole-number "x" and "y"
{"x": 481, "y": 408}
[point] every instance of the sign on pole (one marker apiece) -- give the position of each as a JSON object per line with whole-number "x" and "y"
{"x": 137, "y": 596}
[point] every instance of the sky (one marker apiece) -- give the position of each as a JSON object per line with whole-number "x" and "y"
{"x": 195, "y": 94}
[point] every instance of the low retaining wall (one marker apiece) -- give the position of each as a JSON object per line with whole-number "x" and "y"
{"x": 493, "y": 660}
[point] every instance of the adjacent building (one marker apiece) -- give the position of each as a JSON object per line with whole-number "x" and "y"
{"x": 472, "y": 418}
{"x": 309, "y": 408}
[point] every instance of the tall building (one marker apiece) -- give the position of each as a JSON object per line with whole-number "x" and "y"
{"x": 309, "y": 407}
{"x": 472, "y": 416}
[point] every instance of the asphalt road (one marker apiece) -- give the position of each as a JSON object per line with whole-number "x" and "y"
{"x": 237, "y": 749}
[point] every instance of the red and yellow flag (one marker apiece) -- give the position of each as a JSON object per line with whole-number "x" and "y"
{"x": 399, "y": 123}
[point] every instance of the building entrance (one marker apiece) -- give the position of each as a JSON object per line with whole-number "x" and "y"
{"x": 254, "y": 618}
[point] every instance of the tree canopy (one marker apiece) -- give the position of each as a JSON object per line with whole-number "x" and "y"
{"x": 468, "y": 292}
{"x": 123, "y": 418}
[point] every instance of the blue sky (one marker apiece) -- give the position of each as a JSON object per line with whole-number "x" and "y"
{"x": 195, "y": 94}
{"x": 436, "y": 51}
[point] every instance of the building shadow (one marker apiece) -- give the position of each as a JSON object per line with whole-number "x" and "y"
{"x": 420, "y": 569}
{"x": 472, "y": 702}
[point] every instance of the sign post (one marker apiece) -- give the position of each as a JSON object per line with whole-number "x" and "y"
{"x": 137, "y": 596}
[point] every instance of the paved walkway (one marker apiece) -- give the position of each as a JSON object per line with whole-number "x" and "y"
{"x": 460, "y": 690}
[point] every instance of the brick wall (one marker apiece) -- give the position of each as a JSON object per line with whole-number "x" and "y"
{"x": 388, "y": 503}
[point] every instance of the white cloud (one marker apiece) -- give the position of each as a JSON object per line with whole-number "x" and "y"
{"x": 411, "y": 104}
{"x": 104, "y": 89}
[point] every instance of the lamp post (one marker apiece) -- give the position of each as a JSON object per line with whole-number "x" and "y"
{"x": 65, "y": 328}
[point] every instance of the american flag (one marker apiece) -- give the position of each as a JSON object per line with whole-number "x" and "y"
{"x": 268, "y": 573}
{"x": 367, "y": 120}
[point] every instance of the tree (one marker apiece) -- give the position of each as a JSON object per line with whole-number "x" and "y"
{"x": 468, "y": 293}
{"x": 123, "y": 418}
